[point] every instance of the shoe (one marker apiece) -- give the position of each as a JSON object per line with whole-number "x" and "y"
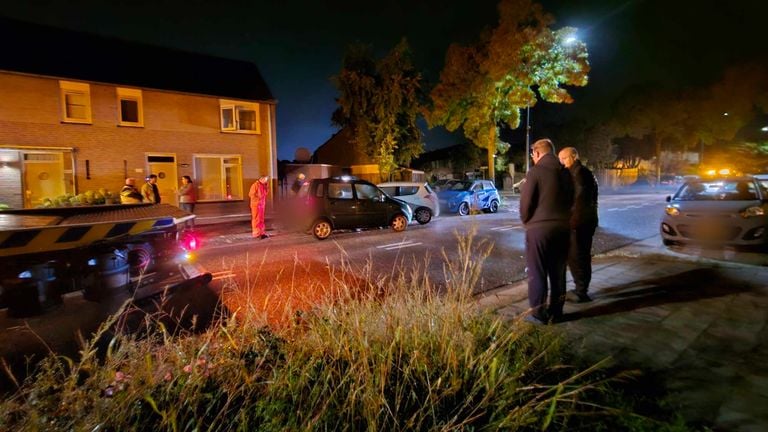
{"x": 534, "y": 320}
{"x": 263, "y": 236}
{"x": 573, "y": 296}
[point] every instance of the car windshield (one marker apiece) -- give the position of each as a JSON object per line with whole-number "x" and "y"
{"x": 717, "y": 190}
{"x": 461, "y": 186}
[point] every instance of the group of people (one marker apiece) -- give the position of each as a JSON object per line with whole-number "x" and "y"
{"x": 150, "y": 193}
{"x": 558, "y": 207}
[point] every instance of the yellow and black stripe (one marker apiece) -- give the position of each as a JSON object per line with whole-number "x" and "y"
{"x": 28, "y": 232}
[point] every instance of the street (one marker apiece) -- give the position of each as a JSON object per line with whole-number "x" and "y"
{"x": 294, "y": 262}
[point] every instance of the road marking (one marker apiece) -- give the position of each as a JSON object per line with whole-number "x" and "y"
{"x": 400, "y": 245}
{"x": 506, "y": 228}
{"x": 224, "y": 274}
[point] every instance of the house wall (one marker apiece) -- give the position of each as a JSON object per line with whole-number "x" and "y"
{"x": 174, "y": 123}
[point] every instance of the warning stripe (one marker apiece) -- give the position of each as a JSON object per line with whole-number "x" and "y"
{"x": 55, "y": 238}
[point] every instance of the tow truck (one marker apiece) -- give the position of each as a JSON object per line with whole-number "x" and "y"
{"x": 64, "y": 271}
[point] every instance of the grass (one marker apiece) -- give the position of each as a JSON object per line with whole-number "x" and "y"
{"x": 390, "y": 354}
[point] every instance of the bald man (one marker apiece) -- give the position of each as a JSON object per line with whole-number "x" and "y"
{"x": 583, "y": 224}
{"x": 545, "y": 210}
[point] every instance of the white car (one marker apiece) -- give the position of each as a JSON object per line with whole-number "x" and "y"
{"x": 419, "y": 196}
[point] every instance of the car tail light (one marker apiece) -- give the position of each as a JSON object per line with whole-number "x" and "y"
{"x": 190, "y": 242}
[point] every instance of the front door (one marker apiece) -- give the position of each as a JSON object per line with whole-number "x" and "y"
{"x": 371, "y": 209}
{"x": 43, "y": 177}
{"x": 164, "y": 167}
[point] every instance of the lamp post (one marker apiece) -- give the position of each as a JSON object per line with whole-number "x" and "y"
{"x": 527, "y": 139}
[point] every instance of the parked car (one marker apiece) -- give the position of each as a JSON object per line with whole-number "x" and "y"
{"x": 443, "y": 184}
{"x": 419, "y": 196}
{"x": 466, "y": 195}
{"x": 717, "y": 212}
{"x": 337, "y": 203}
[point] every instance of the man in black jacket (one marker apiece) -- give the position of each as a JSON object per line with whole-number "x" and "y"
{"x": 583, "y": 224}
{"x": 545, "y": 209}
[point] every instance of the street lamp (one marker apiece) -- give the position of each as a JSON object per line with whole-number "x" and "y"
{"x": 527, "y": 139}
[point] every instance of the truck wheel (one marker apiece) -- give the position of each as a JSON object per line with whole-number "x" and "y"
{"x": 321, "y": 229}
{"x": 399, "y": 222}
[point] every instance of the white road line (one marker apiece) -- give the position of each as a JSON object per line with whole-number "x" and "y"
{"x": 403, "y": 246}
{"x": 506, "y": 228}
{"x": 399, "y": 245}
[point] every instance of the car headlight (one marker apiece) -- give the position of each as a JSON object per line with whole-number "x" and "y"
{"x": 752, "y": 211}
{"x": 672, "y": 211}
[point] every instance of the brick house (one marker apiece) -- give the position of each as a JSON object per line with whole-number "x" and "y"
{"x": 82, "y": 112}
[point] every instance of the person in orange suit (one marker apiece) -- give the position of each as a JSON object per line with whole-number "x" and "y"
{"x": 258, "y": 195}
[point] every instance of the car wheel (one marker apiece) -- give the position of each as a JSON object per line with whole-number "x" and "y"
{"x": 463, "y": 209}
{"x": 399, "y": 222}
{"x": 423, "y": 215}
{"x": 494, "y": 207}
{"x": 321, "y": 229}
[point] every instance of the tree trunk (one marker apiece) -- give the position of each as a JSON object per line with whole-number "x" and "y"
{"x": 491, "y": 153}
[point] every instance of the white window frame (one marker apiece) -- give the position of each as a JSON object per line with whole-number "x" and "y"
{"x": 130, "y": 95}
{"x": 235, "y": 107}
{"x": 75, "y": 88}
{"x": 222, "y": 166}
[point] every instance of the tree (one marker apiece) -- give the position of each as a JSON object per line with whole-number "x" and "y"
{"x": 379, "y": 100}
{"x": 488, "y": 83}
{"x": 651, "y": 111}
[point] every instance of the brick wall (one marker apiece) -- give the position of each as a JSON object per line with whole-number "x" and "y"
{"x": 176, "y": 123}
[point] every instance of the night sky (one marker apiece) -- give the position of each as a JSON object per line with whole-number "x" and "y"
{"x": 298, "y": 44}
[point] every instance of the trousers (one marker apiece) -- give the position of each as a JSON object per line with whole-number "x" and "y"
{"x": 546, "y": 254}
{"x": 580, "y": 257}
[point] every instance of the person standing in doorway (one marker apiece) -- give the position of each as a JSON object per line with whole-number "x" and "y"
{"x": 258, "y": 195}
{"x": 187, "y": 197}
{"x": 583, "y": 224}
{"x": 545, "y": 210}
{"x": 149, "y": 191}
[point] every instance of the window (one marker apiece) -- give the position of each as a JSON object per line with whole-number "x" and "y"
{"x": 130, "y": 111}
{"x": 340, "y": 190}
{"x": 75, "y": 102}
{"x": 239, "y": 117}
{"x": 366, "y": 191}
{"x": 219, "y": 177}
{"x": 408, "y": 190}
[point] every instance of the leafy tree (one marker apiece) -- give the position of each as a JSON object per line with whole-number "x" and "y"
{"x": 379, "y": 100}
{"x": 488, "y": 83}
{"x": 651, "y": 111}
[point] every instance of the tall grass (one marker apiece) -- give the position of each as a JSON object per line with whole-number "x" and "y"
{"x": 381, "y": 354}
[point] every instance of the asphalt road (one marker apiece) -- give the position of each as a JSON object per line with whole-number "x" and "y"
{"x": 296, "y": 262}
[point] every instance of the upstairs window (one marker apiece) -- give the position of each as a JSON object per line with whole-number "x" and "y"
{"x": 239, "y": 117}
{"x": 130, "y": 111}
{"x": 75, "y": 102}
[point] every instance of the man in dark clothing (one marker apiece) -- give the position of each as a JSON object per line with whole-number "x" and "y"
{"x": 545, "y": 209}
{"x": 150, "y": 191}
{"x": 583, "y": 224}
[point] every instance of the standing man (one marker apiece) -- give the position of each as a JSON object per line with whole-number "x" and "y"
{"x": 129, "y": 194}
{"x": 583, "y": 224}
{"x": 297, "y": 184}
{"x": 258, "y": 195}
{"x": 545, "y": 210}
{"x": 150, "y": 191}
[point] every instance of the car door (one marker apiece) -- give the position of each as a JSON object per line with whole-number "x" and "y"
{"x": 476, "y": 194}
{"x": 342, "y": 206}
{"x": 372, "y": 209}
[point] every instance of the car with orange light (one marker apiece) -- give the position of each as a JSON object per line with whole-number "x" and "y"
{"x": 717, "y": 211}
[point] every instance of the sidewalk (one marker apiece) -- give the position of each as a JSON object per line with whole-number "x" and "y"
{"x": 701, "y": 322}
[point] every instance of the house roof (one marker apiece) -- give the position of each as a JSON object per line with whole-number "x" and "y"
{"x": 41, "y": 50}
